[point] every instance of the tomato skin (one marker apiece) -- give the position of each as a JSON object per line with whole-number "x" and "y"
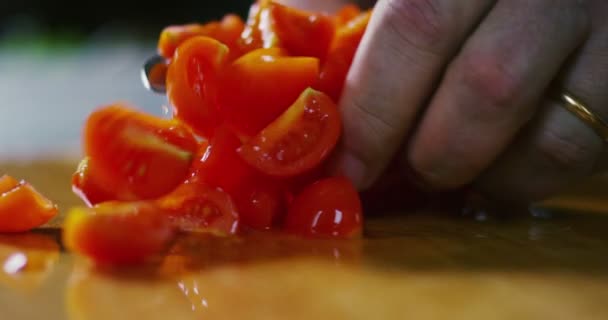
{"x": 86, "y": 188}
{"x": 136, "y": 155}
{"x": 260, "y": 203}
{"x": 278, "y": 80}
{"x": 118, "y": 233}
{"x": 197, "y": 207}
{"x": 301, "y": 32}
{"x": 192, "y": 83}
{"x": 346, "y": 14}
{"x": 258, "y": 32}
{"x": 22, "y": 207}
{"x": 299, "y": 140}
{"x": 327, "y": 208}
{"x": 341, "y": 54}
{"x": 227, "y": 31}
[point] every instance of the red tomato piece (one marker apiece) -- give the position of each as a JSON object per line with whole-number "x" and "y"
{"x": 258, "y": 32}
{"x": 22, "y": 208}
{"x": 219, "y": 165}
{"x": 192, "y": 83}
{"x": 301, "y": 32}
{"x": 86, "y": 188}
{"x": 136, "y": 155}
{"x": 299, "y": 140}
{"x": 227, "y": 31}
{"x": 346, "y": 14}
{"x": 327, "y": 208}
{"x": 260, "y": 203}
{"x": 115, "y": 233}
{"x": 261, "y": 85}
{"x": 341, "y": 54}
{"x": 196, "y": 207}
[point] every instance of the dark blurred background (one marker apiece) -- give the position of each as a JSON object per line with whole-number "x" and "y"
{"x": 80, "y": 18}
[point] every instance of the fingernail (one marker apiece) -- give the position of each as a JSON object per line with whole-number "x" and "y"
{"x": 353, "y": 168}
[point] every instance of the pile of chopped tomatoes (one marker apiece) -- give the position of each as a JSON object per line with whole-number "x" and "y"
{"x": 254, "y": 121}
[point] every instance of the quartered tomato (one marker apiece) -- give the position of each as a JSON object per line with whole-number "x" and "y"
{"x": 219, "y": 165}
{"x": 196, "y": 207}
{"x": 227, "y": 31}
{"x": 86, "y": 188}
{"x": 301, "y": 32}
{"x": 260, "y": 85}
{"x": 258, "y": 32}
{"x": 192, "y": 83}
{"x": 299, "y": 140}
{"x": 118, "y": 233}
{"x": 22, "y": 208}
{"x": 136, "y": 155}
{"x": 327, "y": 208}
{"x": 341, "y": 54}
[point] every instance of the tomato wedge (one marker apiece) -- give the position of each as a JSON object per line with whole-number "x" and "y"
{"x": 299, "y": 140}
{"x": 258, "y": 32}
{"x": 227, "y": 31}
{"x": 301, "y": 32}
{"x": 328, "y": 208}
{"x": 22, "y": 208}
{"x": 192, "y": 83}
{"x": 86, "y": 188}
{"x": 196, "y": 207}
{"x": 341, "y": 54}
{"x": 136, "y": 155}
{"x": 117, "y": 233}
{"x": 260, "y": 203}
{"x": 261, "y": 85}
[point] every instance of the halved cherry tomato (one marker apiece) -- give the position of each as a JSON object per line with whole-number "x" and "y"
{"x": 327, "y": 208}
{"x": 196, "y": 207}
{"x": 136, "y": 155}
{"x": 301, "y": 32}
{"x": 227, "y": 31}
{"x": 341, "y": 54}
{"x": 346, "y": 14}
{"x": 86, "y": 188}
{"x": 118, "y": 232}
{"x": 260, "y": 203}
{"x": 299, "y": 140}
{"x": 260, "y": 85}
{"x": 22, "y": 208}
{"x": 192, "y": 83}
{"x": 258, "y": 32}
{"x": 218, "y": 164}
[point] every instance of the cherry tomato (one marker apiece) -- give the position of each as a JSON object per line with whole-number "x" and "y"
{"x": 192, "y": 83}
{"x": 258, "y": 32}
{"x": 341, "y": 54}
{"x": 86, "y": 188}
{"x": 346, "y": 14}
{"x": 261, "y": 85}
{"x": 227, "y": 31}
{"x": 218, "y": 164}
{"x": 301, "y": 32}
{"x": 299, "y": 140}
{"x": 22, "y": 208}
{"x": 116, "y": 233}
{"x": 327, "y": 208}
{"x": 196, "y": 207}
{"x": 260, "y": 203}
{"x": 136, "y": 155}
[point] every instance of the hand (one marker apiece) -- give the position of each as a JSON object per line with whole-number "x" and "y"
{"x": 457, "y": 90}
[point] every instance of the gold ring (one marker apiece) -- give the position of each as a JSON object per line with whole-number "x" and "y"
{"x": 581, "y": 111}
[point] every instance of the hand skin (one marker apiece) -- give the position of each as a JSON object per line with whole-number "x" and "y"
{"x": 459, "y": 93}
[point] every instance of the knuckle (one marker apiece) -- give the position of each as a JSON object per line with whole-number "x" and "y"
{"x": 485, "y": 76}
{"x": 566, "y": 153}
{"x": 422, "y": 24}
